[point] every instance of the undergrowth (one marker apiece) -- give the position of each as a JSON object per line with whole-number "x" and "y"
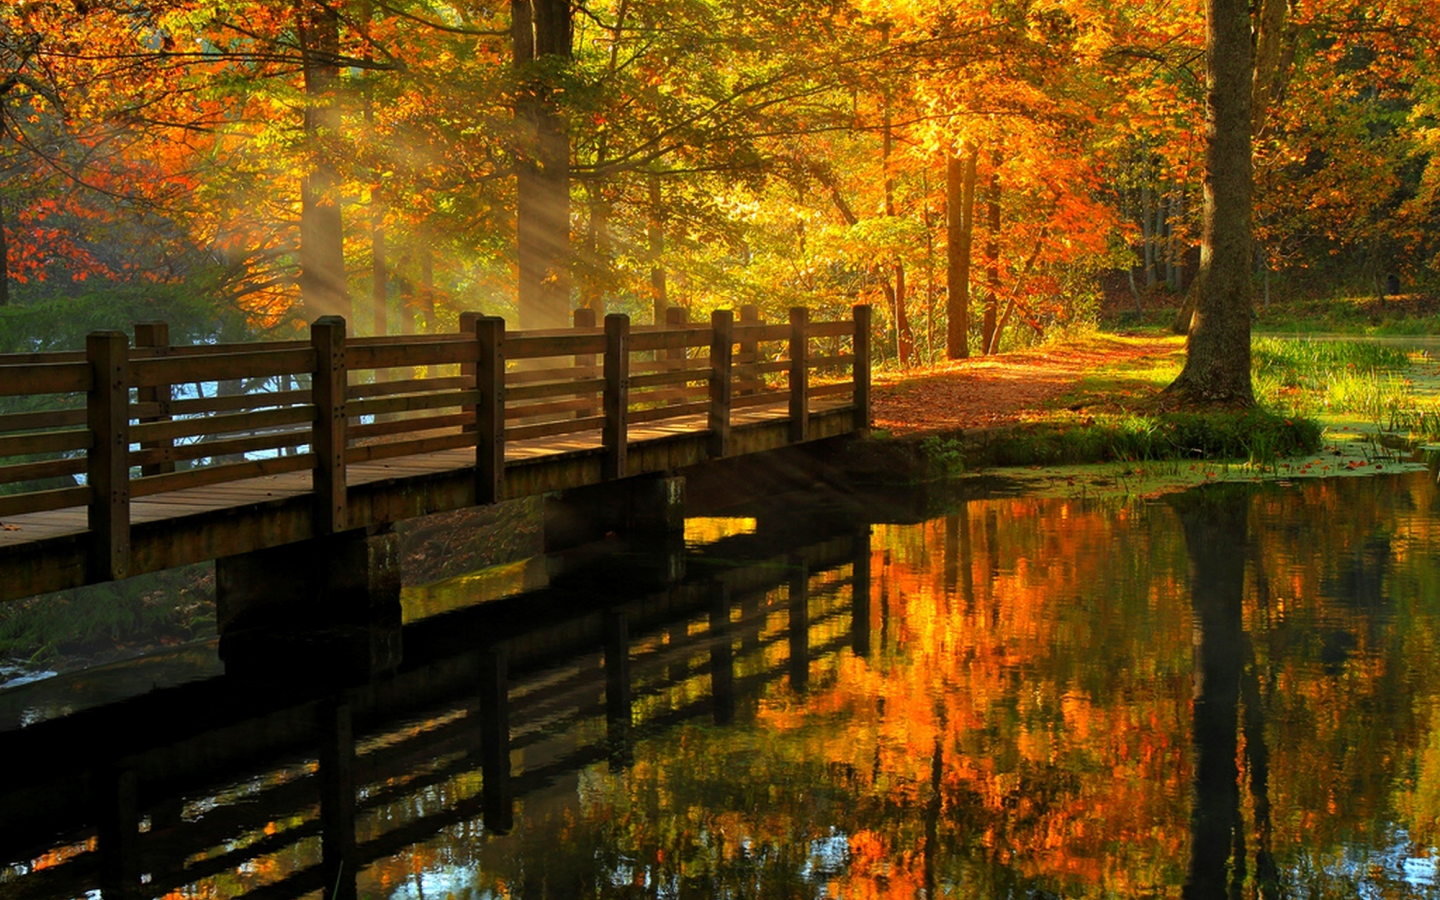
{"x": 1257, "y": 435}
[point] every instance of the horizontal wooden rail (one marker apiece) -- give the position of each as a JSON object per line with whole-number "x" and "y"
{"x": 120, "y": 421}
{"x": 20, "y": 380}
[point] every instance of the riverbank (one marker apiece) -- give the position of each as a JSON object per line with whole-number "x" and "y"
{"x": 1089, "y": 414}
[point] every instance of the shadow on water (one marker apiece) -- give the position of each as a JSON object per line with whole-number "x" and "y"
{"x": 948, "y": 693}
{"x": 280, "y": 749}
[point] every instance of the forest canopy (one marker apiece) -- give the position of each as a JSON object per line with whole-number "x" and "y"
{"x": 970, "y": 168}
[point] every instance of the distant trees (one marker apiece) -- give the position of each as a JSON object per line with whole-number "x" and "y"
{"x": 967, "y": 170}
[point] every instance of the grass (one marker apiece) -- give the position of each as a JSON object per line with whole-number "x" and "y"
{"x": 1258, "y": 436}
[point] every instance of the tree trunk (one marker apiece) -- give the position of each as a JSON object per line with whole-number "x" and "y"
{"x": 1217, "y": 364}
{"x": 992, "y": 257}
{"x": 904, "y": 335}
{"x": 427, "y": 283}
{"x": 656, "y": 236}
{"x": 1215, "y": 529}
{"x": 541, "y": 29}
{"x": 1147, "y": 236}
{"x": 379, "y": 273}
{"x": 598, "y": 246}
{"x": 4, "y": 262}
{"x": 322, "y": 251}
{"x": 959, "y": 238}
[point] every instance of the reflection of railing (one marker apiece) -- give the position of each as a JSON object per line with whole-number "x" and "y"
{"x": 618, "y": 668}
{"x": 117, "y": 423}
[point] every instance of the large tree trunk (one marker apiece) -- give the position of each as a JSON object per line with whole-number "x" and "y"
{"x": 541, "y": 29}
{"x": 959, "y": 238}
{"x": 1217, "y": 364}
{"x": 322, "y": 250}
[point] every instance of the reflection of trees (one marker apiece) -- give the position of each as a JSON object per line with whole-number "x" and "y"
{"x": 1215, "y": 540}
{"x": 1041, "y": 738}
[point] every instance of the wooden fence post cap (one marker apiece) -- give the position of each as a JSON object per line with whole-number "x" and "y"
{"x": 329, "y": 322}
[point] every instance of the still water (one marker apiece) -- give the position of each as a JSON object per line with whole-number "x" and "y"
{"x": 1228, "y": 693}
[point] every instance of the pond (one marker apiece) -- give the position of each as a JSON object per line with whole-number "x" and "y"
{"x": 1228, "y": 692}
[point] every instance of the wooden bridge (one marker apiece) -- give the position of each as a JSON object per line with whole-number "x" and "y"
{"x": 121, "y": 460}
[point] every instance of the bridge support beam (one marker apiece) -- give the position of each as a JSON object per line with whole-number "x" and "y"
{"x": 650, "y": 505}
{"x": 330, "y": 604}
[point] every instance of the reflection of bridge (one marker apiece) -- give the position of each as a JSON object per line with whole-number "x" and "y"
{"x": 136, "y": 791}
{"x": 129, "y": 460}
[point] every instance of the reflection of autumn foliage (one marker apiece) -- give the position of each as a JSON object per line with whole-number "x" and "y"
{"x": 1022, "y": 721}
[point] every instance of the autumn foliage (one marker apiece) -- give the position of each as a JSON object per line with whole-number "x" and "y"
{"x": 717, "y": 154}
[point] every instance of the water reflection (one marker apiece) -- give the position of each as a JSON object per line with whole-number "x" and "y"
{"x": 1225, "y": 694}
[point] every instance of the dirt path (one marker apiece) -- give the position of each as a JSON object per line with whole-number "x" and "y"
{"x": 999, "y": 390}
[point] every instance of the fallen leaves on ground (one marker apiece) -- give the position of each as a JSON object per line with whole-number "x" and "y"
{"x": 989, "y": 391}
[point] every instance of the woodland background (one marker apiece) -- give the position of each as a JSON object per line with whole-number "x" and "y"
{"x": 971, "y": 168}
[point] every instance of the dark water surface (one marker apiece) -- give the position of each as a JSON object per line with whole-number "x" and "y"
{"x": 1229, "y": 693}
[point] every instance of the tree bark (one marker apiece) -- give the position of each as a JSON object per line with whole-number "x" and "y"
{"x": 322, "y": 251}
{"x": 1217, "y": 363}
{"x": 992, "y": 257}
{"x": 541, "y": 29}
{"x": 904, "y": 334}
{"x": 4, "y": 262}
{"x": 655, "y": 233}
{"x": 959, "y": 239}
{"x": 379, "y": 271}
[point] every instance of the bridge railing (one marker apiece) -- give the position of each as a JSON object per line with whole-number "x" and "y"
{"x": 98, "y": 428}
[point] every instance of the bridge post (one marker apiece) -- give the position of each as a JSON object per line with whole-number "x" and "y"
{"x": 497, "y": 803}
{"x": 799, "y": 374}
{"x": 618, "y": 713}
{"x": 107, "y": 464}
{"x": 722, "y": 386}
{"x": 336, "y": 771}
{"x": 155, "y": 336}
{"x": 615, "y": 435}
{"x": 118, "y": 833}
{"x": 489, "y": 424}
{"x": 328, "y": 387}
{"x": 860, "y": 594}
{"x": 860, "y": 370}
{"x": 722, "y": 657}
{"x": 799, "y": 603}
